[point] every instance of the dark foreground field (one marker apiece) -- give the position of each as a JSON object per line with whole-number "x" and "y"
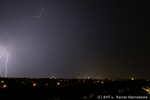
{"x": 73, "y": 89}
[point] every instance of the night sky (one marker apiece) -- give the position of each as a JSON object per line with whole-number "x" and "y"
{"x": 76, "y": 38}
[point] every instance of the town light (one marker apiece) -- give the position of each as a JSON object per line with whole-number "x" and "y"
{"x": 46, "y": 84}
{"x": 34, "y": 84}
{"x": 2, "y": 81}
{"x": 4, "y": 86}
{"x": 58, "y": 83}
{"x": 102, "y": 82}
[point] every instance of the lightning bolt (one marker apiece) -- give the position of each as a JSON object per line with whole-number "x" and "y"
{"x": 6, "y": 61}
{"x": 39, "y": 14}
{"x": 0, "y": 58}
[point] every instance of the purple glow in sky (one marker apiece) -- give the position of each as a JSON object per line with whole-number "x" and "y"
{"x": 74, "y": 38}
